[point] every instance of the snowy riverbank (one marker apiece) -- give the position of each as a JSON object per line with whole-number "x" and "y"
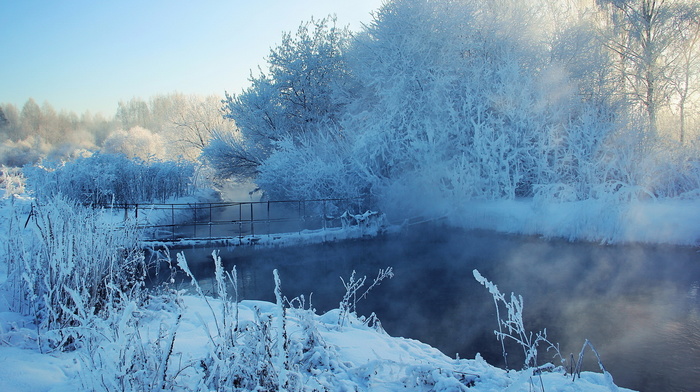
{"x": 325, "y": 354}
{"x": 352, "y": 357}
{"x": 661, "y": 221}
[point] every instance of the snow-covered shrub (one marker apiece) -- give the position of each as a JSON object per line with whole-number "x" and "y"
{"x": 513, "y": 328}
{"x": 279, "y": 349}
{"x": 22, "y": 152}
{"x": 67, "y": 262}
{"x": 461, "y": 101}
{"x": 111, "y": 178}
{"x": 671, "y": 169}
{"x": 11, "y": 181}
{"x": 348, "y": 305}
{"x": 119, "y": 354}
{"x": 309, "y": 168}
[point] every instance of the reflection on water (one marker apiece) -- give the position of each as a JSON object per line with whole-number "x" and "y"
{"x": 638, "y": 305}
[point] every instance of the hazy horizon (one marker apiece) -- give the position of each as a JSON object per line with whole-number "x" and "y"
{"x": 87, "y": 56}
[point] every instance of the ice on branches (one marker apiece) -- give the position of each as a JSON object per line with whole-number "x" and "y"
{"x": 513, "y": 327}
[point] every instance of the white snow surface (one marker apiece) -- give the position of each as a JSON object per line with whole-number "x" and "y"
{"x": 660, "y": 221}
{"x": 369, "y": 359}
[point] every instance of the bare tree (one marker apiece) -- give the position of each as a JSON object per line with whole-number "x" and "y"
{"x": 685, "y": 82}
{"x": 644, "y": 36}
{"x": 195, "y": 122}
{"x": 30, "y": 118}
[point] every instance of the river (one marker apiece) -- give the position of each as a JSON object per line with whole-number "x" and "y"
{"x": 639, "y": 305}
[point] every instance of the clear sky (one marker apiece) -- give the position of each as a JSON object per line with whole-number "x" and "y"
{"x": 89, "y": 54}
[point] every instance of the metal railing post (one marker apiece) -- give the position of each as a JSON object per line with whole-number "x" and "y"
{"x": 252, "y": 224}
{"x": 172, "y": 220}
{"x": 194, "y": 224}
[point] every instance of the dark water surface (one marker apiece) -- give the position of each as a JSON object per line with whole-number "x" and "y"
{"x": 639, "y": 305}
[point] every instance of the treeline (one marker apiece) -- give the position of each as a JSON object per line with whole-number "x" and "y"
{"x": 170, "y": 126}
{"x": 446, "y": 101}
{"x": 35, "y": 132}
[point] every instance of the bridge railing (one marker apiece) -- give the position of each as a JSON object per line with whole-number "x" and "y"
{"x": 173, "y": 221}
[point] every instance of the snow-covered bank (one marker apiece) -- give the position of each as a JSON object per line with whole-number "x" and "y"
{"x": 669, "y": 221}
{"x": 353, "y": 357}
{"x": 173, "y": 342}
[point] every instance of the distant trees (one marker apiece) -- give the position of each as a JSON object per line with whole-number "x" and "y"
{"x": 172, "y": 125}
{"x": 39, "y": 131}
{"x": 186, "y": 123}
{"x": 132, "y": 113}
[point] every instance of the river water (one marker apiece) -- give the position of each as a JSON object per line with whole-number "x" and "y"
{"x": 638, "y": 305}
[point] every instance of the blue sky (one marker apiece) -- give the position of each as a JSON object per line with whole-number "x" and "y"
{"x": 87, "y": 55}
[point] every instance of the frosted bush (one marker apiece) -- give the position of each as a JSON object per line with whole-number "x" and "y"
{"x": 67, "y": 262}
{"x": 310, "y": 168}
{"x": 348, "y": 305}
{"x": 280, "y": 349}
{"x": 11, "y": 180}
{"x": 513, "y": 327}
{"x": 111, "y": 178}
{"x": 119, "y": 354}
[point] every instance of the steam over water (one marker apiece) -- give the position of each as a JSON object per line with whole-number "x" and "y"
{"x": 639, "y": 305}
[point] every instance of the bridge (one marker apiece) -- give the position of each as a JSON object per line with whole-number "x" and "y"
{"x": 235, "y": 223}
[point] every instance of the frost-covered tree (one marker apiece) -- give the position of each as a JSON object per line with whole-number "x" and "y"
{"x": 446, "y": 101}
{"x": 30, "y": 118}
{"x": 301, "y": 93}
{"x": 11, "y": 126}
{"x": 462, "y": 100}
{"x": 137, "y": 142}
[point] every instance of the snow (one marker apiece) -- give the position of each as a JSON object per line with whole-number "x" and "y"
{"x": 661, "y": 221}
{"x": 369, "y": 359}
{"x": 365, "y": 357}
{"x": 27, "y": 370}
